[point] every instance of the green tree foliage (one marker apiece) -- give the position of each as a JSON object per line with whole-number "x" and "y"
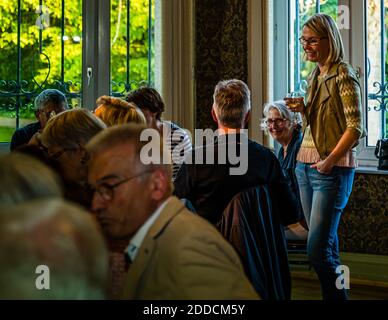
{"x": 38, "y": 65}
{"x": 35, "y": 64}
{"x": 138, "y": 35}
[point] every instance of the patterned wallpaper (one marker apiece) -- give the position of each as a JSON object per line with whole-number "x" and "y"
{"x": 221, "y": 53}
{"x": 364, "y": 225}
{"x": 221, "y": 50}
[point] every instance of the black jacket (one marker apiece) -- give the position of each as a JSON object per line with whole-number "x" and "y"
{"x": 23, "y": 135}
{"x": 210, "y": 187}
{"x": 251, "y": 225}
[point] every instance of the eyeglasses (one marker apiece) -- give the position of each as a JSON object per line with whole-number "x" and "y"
{"x": 278, "y": 122}
{"x": 310, "y": 42}
{"x": 58, "y": 154}
{"x": 55, "y": 155}
{"x": 106, "y": 191}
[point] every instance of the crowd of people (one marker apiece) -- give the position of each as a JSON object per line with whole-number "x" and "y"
{"x": 78, "y": 197}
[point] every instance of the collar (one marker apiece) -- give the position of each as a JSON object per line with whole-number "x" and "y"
{"x": 222, "y": 132}
{"x": 139, "y": 236}
{"x": 332, "y": 72}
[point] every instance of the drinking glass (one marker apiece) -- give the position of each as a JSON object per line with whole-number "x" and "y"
{"x": 294, "y": 98}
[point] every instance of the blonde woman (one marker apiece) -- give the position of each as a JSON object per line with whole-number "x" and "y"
{"x": 326, "y": 159}
{"x": 64, "y": 139}
{"x": 114, "y": 111}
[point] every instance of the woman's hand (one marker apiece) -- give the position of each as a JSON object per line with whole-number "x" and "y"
{"x": 346, "y": 142}
{"x": 324, "y": 166}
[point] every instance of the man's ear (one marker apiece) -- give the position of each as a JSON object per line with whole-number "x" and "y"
{"x": 158, "y": 185}
{"x": 247, "y": 118}
{"x": 214, "y": 115}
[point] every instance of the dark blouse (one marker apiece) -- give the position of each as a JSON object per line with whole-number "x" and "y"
{"x": 288, "y": 164}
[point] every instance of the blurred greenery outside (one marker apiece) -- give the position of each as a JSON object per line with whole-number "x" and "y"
{"x": 35, "y": 66}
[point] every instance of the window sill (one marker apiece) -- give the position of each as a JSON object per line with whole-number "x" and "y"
{"x": 371, "y": 170}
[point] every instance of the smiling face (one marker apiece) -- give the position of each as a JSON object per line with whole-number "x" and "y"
{"x": 279, "y": 128}
{"x": 315, "y": 47}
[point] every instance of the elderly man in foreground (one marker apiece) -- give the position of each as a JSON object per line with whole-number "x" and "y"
{"x": 174, "y": 254}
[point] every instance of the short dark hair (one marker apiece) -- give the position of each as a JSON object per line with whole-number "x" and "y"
{"x": 147, "y": 98}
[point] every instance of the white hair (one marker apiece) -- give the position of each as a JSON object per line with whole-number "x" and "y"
{"x": 295, "y": 118}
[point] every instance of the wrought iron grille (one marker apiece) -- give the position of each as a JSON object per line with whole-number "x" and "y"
{"x": 17, "y": 95}
{"x": 19, "y": 88}
{"x": 128, "y": 82}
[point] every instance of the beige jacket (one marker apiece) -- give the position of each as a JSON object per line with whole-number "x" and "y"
{"x": 185, "y": 257}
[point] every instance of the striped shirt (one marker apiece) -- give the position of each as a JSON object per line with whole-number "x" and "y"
{"x": 178, "y": 143}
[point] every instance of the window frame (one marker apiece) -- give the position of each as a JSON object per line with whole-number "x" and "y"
{"x": 174, "y": 57}
{"x": 357, "y": 58}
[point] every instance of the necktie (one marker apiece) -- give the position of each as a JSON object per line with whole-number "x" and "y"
{"x": 118, "y": 268}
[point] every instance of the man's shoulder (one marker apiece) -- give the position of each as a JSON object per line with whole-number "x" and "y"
{"x": 32, "y": 126}
{"x": 175, "y": 129}
{"x": 186, "y": 225}
{"x": 257, "y": 149}
{"x": 23, "y": 135}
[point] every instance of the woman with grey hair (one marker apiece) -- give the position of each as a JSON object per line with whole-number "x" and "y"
{"x": 285, "y": 127}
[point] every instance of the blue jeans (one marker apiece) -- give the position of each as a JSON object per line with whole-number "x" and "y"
{"x": 323, "y": 198}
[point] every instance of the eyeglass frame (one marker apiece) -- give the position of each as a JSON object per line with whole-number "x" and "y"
{"x": 310, "y": 42}
{"x": 276, "y": 121}
{"x": 55, "y": 155}
{"x": 108, "y": 196}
